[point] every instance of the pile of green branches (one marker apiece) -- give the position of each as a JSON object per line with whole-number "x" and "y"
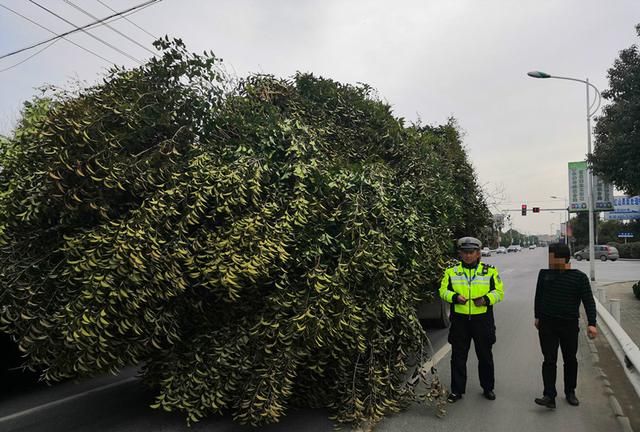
{"x": 254, "y": 243}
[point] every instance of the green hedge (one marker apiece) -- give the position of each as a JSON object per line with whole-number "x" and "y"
{"x": 629, "y": 250}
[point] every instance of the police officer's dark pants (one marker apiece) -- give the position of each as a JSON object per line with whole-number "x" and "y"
{"x": 552, "y": 333}
{"x": 480, "y": 329}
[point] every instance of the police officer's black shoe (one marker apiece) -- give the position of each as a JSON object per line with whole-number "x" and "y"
{"x": 454, "y": 397}
{"x": 489, "y": 394}
{"x": 546, "y": 401}
{"x": 572, "y": 399}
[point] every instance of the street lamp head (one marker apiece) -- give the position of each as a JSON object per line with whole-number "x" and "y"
{"x": 538, "y": 74}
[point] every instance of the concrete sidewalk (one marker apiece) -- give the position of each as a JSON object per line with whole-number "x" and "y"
{"x": 629, "y": 307}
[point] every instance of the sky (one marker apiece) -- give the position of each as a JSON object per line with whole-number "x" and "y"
{"x": 429, "y": 59}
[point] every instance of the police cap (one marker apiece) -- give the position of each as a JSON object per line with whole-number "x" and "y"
{"x": 469, "y": 243}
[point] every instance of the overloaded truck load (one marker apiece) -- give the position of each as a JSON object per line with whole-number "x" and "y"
{"x": 253, "y": 243}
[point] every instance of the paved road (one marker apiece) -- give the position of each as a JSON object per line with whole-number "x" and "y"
{"x": 608, "y": 271}
{"x": 124, "y": 407}
{"x": 518, "y": 377}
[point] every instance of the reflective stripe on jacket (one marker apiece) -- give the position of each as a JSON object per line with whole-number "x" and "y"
{"x": 472, "y": 283}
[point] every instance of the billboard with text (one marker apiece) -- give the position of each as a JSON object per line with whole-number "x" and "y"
{"x": 602, "y": 192}
{"x": 625, "y": 208}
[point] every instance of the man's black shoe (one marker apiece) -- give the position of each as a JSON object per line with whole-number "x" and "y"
{"x": 572, "y": 399}
{"x": 489, "y": 394}
{"x": 547, "y": 401}
{"x": 454, "y": 397}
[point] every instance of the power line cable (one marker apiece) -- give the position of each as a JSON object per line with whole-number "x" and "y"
{"x": 124, "y": 14}
{"x": 69, "y": 2}
{"x": 30, "y": 57}
{"x": 52, "y": 39}
{"x": 87, "y": 33}
{"x": 127, "y": 19}
{"x": 90, "y": 25}
{"x": 57, "y": 40}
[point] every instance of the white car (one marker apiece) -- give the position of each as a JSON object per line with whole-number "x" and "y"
{"x": 485, "y": 251}
{"x": 532, "y": 246}
{"x": 513, "y": 248}
{"x": 501, "y": 250}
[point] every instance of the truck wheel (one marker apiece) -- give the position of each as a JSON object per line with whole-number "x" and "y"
{"x": 443, "y": 321}
{"x": 433, "y": 314}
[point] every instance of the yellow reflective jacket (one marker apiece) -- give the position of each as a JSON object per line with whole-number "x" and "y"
{"x": 481, "y": 281}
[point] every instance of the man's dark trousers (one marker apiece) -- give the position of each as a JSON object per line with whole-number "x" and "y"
{"x": 481, "y": 329}
{"x": 554, "y": 332}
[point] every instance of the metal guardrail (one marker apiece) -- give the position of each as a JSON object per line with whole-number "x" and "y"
{"x": 626, "y": 350}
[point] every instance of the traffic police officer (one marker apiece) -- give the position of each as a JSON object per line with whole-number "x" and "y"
{"x": 472, "y": 288}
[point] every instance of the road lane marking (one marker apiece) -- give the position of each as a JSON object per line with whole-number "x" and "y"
{"x": 433, "y": 361}
{"x": 65, "y": 400}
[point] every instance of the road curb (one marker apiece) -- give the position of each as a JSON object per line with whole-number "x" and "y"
{"x": 625, "y": 424}
{"x": 622, "y": 420}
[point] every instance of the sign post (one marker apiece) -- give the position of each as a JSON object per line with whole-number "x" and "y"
{"x": 625, "y": 236}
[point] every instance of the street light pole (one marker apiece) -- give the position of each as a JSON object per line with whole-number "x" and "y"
{"x": 592, "y": 254}
{"x": 590, "y": 112}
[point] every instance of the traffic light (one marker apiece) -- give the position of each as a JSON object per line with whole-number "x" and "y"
{"x": 536, "y": 209}
{"x": 524, "y": 209}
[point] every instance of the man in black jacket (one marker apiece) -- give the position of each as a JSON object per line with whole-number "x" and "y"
{"x": 559, "y": 292}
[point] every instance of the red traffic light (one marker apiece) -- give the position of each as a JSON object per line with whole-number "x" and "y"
{"x": 524, "y": 209}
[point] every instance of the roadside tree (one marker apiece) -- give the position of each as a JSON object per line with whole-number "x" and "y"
{"x": 616, "y": 153}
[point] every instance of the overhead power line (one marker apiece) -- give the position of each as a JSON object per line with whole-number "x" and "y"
{"x": 30, "y": 57}
{"x": 115, "y": 48}
{"x": 69, "y": 2}
{"x": 53, "y": 40}
{"x": 127, "y": 19}
{"x": 135, "y": 8}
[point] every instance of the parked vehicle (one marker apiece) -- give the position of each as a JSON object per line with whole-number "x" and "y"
{"x": 602, "y": 252}
{"x": 532, "y": 246}
{"x": 513, "y": 248}
{"x": 486, "y": 251}
{"x": 501, "y": 250}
